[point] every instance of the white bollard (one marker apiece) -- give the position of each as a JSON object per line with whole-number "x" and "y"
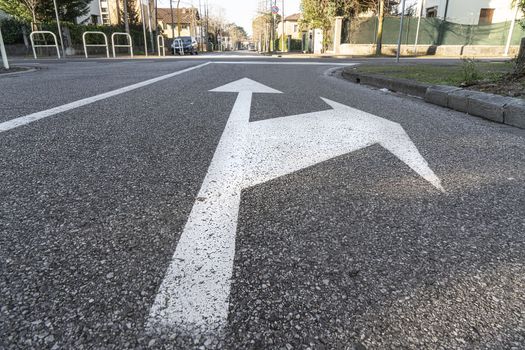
{"x": 2, "y": 51}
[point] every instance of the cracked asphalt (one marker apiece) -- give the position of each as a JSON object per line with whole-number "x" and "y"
{"x": 357, "y": 252}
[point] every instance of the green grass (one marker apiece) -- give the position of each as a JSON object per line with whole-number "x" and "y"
{"x": 442, "y": 74}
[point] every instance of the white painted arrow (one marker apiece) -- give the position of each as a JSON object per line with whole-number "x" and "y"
{"x": 193, "y": 297}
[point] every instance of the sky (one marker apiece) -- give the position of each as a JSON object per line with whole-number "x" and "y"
{"x": 240, "y": 12}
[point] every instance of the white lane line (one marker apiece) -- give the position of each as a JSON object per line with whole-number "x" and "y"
{"x": 295, "y": 63}
{"x": 14, "y": 123}
{"x": 194, "y": 295}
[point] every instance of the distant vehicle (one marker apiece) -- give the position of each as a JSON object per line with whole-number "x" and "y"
{"x": 186, "y": 43}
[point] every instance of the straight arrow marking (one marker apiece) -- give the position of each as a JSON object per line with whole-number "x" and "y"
{"x": 193, "y": 297}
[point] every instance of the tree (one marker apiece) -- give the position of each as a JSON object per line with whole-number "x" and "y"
{"x": 25, "y": 10}
{"x": 237, "y": 35}
{"x": 44, "y": 10}
{"x": 68, "y": 10}
{"x": 520, "y": 60}
{"x": 18, "y": 9}
{"x": 320, "y": 13}
{"x": 129, "y": 11}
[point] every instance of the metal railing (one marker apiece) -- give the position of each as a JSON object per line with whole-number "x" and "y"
{"x": 178, "y": 44}
{"x": 128, "y": 45}
{"x": 43, "y": 32}
{"x": 95, "y": 45}
{"x": 160, "y": 39}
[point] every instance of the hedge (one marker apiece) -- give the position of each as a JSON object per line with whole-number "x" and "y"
{"x": 12, "y": 31}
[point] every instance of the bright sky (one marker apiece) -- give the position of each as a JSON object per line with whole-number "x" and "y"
{"x": 240, "y": 12}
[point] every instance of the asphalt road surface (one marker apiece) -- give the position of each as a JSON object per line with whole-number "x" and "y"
{"x": 286, "y": 209}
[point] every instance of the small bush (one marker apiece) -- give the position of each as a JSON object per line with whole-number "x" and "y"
{"x": 470, "y": 71}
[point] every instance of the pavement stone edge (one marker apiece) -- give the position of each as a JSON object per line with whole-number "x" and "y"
{"x": 497, "y": 108}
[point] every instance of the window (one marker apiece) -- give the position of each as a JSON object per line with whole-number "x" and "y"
{"x": 295, "y": 28}
{"x": 485, "y": 16}
{"x": 432, "y": 11}
{"x": 94, "y": 19}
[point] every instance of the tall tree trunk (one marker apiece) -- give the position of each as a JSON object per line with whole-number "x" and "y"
{"x": 118, "y": 12}
{"x": 33, "y": 24}
{"x": 381, "y": 19}
{"x": 178, "y": 18}
{"x": 520, "y": 60}
{"x": 126, "y": 16}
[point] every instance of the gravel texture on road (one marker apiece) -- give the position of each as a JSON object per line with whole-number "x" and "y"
{"x": 357, "y": 252}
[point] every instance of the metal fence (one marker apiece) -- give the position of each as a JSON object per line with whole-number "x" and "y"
{"x": 432, "y": 31}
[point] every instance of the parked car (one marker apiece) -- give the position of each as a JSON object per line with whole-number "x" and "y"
{"x": 188, "y": 43}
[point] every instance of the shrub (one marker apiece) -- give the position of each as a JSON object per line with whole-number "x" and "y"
{"x": 470, "y": 71}
{"x": 12, "y": 30}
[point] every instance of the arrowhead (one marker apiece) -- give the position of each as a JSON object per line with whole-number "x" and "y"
{"x": 246, "y": 85}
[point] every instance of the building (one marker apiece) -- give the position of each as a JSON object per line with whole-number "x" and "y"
{"x": 291, "y": 27}
{"x": 107, "y": 11}
{"x": 94, "y": 14}
{"x": 189, "y": 22}
{"x": 470, "y": 11}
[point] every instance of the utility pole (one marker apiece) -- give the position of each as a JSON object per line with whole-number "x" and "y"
{"x": 272, "y": 30}
{"x": 282, "y": 37}
{"x": 201, "y": 41}
{"x": 207, "y": 25}
{"x": 398, "y": 53}
{"x": 141, "y": 4}
{"x": 126, "y": 17}
{"x": 419, "y": 12}
{"x": 172, "y": 21}
{"x": 59, "y": 29}
{"x": 511, "y": 30}
{"x": 2, "y": 51}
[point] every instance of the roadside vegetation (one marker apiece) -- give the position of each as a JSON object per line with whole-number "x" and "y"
{"x": 494, "y": 77}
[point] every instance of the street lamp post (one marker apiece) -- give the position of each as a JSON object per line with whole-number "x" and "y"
{"x": 419, "y": 12}
{"x": 144, "y": 28}
{"x": 59, "y": 29}
{"x": 2, "y": 51}
{"x": 282, "y": 36}
{"x": 511, "y": 30}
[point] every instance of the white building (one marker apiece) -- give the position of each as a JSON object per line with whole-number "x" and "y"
{"x": 291, "y": 27}
{"x": 470, "y": 11}
{"x": 94, "y": 14}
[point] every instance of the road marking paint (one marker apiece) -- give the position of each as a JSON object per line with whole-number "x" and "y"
{"x": 20, "y": 121}
{"x": 193, "y": 297}
{"x": 14, "y": 123}
{"x": 295, "y": 63}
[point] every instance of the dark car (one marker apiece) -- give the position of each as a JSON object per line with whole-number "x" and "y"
{"x": 188, "y": 43}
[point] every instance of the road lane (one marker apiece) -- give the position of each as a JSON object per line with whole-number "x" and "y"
{"x": 356, "y": 250}
{"x": 58, "y": 83}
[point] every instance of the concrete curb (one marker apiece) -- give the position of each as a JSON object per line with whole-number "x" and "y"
{"x": 405, "y": 86}
{"x": 500, "y": 109}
